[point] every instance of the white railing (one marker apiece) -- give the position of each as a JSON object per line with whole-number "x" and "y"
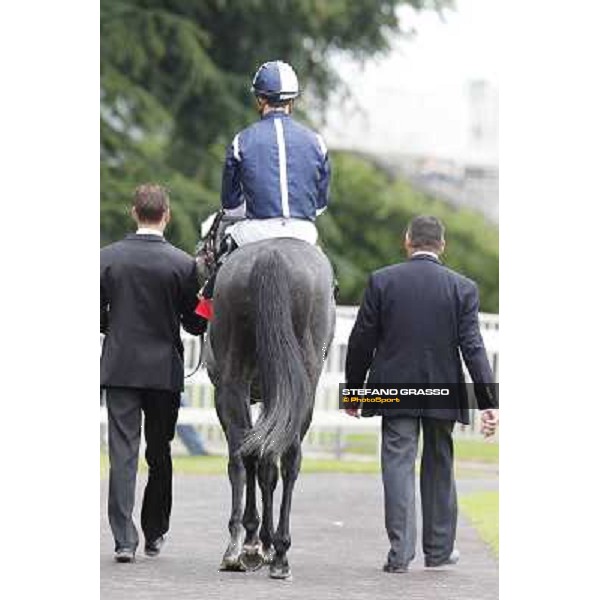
{"x": 331, "y": 429}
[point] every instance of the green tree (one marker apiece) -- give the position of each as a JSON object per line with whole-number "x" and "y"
{"x": 175, "y": 78}
{"x": 363, "y": 230}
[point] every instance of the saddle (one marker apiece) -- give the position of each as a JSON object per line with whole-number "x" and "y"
{"x": 212, "y": 251}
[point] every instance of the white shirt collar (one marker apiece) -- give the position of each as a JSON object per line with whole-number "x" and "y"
{"x": 426, "y": 253}
{"x": 148, "y": 231}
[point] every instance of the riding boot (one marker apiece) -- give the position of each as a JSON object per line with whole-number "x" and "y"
{"x": 205, "y": 306}
{"x": 209, "y": 287}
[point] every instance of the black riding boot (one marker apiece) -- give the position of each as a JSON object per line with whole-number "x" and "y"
{"x": 205, "y": 306}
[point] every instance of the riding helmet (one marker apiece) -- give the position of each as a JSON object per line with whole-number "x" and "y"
{"x": 276, "y": 80}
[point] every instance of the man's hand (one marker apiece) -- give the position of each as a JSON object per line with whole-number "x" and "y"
{"x": 353, "y": 412}
{"x": 489, "y": 422}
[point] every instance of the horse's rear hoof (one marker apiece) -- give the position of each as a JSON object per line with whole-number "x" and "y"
{"x": 280, "y": 572}
{"x": 252, "y": 559}
{"x": 268, "y": 555}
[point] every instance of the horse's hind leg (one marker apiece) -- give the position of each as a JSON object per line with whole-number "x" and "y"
{"x": 251, "y": 557}
{"x": 267, "y": 479}
{"x": 234, "y": 414}
{"x": 290, "y": 467}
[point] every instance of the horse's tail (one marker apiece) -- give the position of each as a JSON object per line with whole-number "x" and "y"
{"x": 284, "y": 379}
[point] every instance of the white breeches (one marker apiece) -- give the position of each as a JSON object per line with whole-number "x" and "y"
{"x": 254, "y": 230}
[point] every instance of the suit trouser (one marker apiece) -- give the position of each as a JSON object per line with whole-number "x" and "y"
{"x": 125, "y": 407}
{"x": 400, "y": 438}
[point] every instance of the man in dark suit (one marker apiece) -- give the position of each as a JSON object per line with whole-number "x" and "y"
{"x": 148, "y": 290}
{"x": 415, "y": 320}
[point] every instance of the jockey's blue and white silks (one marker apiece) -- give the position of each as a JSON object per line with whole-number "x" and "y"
{"x": 276, "y": 168}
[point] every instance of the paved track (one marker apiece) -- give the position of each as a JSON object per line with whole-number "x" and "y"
{"x": 338, "y": 547}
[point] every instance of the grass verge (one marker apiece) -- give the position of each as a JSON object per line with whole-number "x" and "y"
{"x": 476, "y": 451}
{"x": 465, "y": 450}
{"x": 217, "y": 465}
{"x": 483, "y": 511}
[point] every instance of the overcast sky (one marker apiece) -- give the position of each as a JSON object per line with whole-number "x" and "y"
{"x": 414, "y": 99}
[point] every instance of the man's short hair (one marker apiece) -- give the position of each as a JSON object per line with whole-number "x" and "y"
{"x": 274, "y": 103}
{"x": 425, "y": 232}
{"x": 278, "y": 103}
{"x": 150, "y": 201}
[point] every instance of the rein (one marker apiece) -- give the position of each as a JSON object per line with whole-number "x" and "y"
{"x": 200, "y": 358}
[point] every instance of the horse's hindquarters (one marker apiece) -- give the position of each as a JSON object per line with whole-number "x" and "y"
{"x": 274, "y": 318}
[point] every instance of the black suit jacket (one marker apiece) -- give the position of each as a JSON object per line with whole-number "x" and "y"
{"x": 414, "y": 319}
{"x": 148, "y": 290}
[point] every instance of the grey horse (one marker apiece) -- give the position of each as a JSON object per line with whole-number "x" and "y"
{"x": 274, "y": 321}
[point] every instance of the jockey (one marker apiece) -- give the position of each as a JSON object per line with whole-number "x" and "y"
{"x": 276, "y": 171}
{"x": 276, "y": 174}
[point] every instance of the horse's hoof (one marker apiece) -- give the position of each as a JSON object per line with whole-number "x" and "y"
{"x": 251, "y": 558}
{"x": 232, "y": 564}
{"x": 280, "y": 572}
{"x": 268, "y": 555}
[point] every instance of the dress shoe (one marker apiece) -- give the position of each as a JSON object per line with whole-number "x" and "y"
{"x": 154, "y": 547}
{"x": 124, "y": 555}
{"x": 389, "y": 568}
{"x": 451, "y": 560}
